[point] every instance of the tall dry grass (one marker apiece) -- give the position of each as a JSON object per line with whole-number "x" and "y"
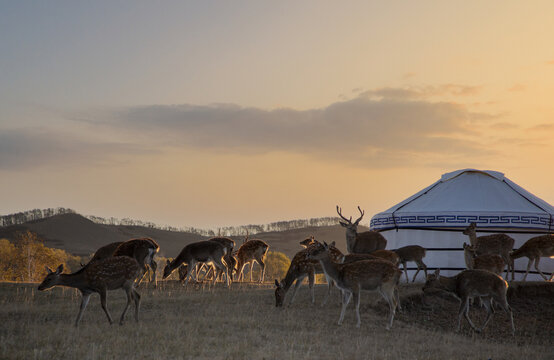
{"x": 217, "y": 323}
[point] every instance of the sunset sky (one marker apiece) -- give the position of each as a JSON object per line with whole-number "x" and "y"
{"x": 211, "y": 114}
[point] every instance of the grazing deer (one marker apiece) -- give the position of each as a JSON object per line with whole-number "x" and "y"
{"x": 351, "y": 278}
{"x": 113, "y": 273}
{"x": 363, "y": 243}
{"x": 143, "y": 251}
{"x": 489, "y": 262}
{"x": 534, "y": 249}
{"x": 251, "y": 251}
{"x": 470, "y": 284}
{"x": 299, "y": 268}
{"x": 198, "y": 252}
{"x": 413, "y": 253}
{"x": 500, "y": 244}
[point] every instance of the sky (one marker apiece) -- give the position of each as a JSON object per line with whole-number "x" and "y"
{"x": 212, "y": 114}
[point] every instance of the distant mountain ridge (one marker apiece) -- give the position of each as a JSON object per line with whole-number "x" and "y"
{"x": 39, "y": 214}
{"x": 81, "y": 236}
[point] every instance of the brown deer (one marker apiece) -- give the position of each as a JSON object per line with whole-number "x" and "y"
{"x": 251, "y": 251}
{"x": 351, "y": 278}
{"x": 198, "y": 252}
{"x": 470, "y": 284}
{"x": 363, "y": 243}
{"x": 113, "y": 273}
{"x": 300, "y": 268}
{"x": 500, "y": 244}
{"x": 534, "y": 249}
{"x": 413, "y": 253}
{"x": 490, "y": 262}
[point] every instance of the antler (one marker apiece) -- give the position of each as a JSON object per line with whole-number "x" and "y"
{"x": 360, "y": 218}
{"x": 339, "y": 211}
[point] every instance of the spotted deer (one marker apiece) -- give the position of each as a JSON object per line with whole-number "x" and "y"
{"x": 470, "y": 284}
{"x": 413, "y": 253}
{"x": 300, "y": 268}
{"x": 251, "y": 251}
{"x": 351, "y": 278}
{"x": 534, "y": 249}
{"x": 365, "y": 242}
{"x": 198, "y": 252}
{"x": 490, "y": 262}
{"x": 113, "y": 273}
{"x": 500, "y": 244}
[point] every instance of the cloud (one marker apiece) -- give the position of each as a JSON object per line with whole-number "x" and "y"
{"x": 364, "y": 132}
{"x": 422, "y": 92}
{"x": 29, "y": 148}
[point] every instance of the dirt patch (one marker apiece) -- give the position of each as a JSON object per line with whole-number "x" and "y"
{"x": 532, "y": 305}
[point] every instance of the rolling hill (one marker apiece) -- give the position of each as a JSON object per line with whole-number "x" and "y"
{"x": 80, "y": 236}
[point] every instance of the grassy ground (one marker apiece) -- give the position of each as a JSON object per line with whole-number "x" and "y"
{"x": 243, "y": 323}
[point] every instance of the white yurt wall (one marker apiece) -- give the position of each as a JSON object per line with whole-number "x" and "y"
{"x": 436, "y": 216}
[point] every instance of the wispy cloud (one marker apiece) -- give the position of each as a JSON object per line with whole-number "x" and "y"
{"x": 395, "y": 130}
{"x": 423, "y": 92}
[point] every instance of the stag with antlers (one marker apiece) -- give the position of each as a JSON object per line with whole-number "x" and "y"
{"x": 363, "y": 243}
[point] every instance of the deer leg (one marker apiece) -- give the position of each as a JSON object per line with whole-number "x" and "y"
{"x": 466, "y": 315}
{"x": 262, "y": 265}
{"x": 463, "y": 306}
{"x": 129, "y": 292}
{"x": 397, "y": 299}
{"x": 537, "y": 260}
{"x": 329, "y": 286}
{"x": 154, "y": 267}
{"x": 357, "y": 304}
{"x": 503, "y": 303}
{"x": 528, "y": 267}
{"x": 251, "y": 270}
{"x": 406, "y": 270}
{"x": 191, "y": 266}
{"x": 311, "y": 279}
{"x": 420, "y": 265}
{"x": 487, "y": 303}
{"x": 84, "y": 303}
{"x": 241, "y": 272}
{"x": 296, "y": 286}
{"x": 222, "y": 269}
{"x": 390, "y": 295}
{"x": 136, "y": 296}
{"x": 102, "y": 294}
{"x": 346, "y": 295}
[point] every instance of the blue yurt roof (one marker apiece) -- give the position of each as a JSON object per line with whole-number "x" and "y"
{"x": 461, "y": 197}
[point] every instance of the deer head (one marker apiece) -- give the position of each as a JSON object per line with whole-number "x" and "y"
{"x": 347, "y": 223}
{"x": 470, "y": 229}
{"x": 51, "y": 278}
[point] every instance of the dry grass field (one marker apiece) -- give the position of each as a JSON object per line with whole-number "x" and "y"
{"x": 243, "y": 323}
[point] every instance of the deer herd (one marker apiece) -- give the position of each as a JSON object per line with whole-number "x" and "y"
{"x": 367, "y": 266}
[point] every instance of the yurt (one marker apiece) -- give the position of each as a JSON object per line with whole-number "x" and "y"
{"x": 436, "y": 216}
